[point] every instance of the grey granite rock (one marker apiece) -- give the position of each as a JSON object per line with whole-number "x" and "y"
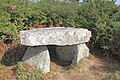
{"x": 54, "y": 36}
{"x": 39, "y": 57}
{"x": 72, "y": 53}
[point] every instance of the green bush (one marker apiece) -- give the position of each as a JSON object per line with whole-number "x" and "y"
{"x": 101, "y": 17}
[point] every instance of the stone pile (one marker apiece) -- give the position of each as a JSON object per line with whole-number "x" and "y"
{"x": 70, "y": 45}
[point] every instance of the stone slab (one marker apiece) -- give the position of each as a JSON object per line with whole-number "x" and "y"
{"x": 72, "y": 53}
{"x": 54, "y": 36}
{"x": 39, "y": 57}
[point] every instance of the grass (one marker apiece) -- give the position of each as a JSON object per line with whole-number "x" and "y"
{"x": 90, "y": 57}
{"x": 27, "y": 72}
{"x": 82, "y": 71}
{"x": 91, "y": 68}
{"x": 111, "y": 77}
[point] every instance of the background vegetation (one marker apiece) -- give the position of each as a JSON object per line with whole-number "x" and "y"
{"x": 101, "y": 17}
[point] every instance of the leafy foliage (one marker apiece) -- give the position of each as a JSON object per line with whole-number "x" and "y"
{"x": 101, "y": 17}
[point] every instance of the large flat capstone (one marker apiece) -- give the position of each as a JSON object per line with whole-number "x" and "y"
{"x": 54, "y": 36}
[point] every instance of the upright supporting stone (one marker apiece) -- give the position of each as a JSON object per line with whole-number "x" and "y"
{"x": 72, "y": 53}
{"x": 38, "y": 56}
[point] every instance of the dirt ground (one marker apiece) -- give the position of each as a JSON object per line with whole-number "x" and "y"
{"x": 95, "y": 67}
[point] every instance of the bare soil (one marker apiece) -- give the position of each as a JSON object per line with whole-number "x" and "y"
{"x": 98, "y": 68}
{"x": 95, "y": 67}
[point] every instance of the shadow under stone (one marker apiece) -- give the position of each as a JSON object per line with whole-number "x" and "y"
{"x": 33, "y": 51}
{"x": 13, "y": 55}
{"x": 16, "y": 53}
{"x": 54, "y": 57}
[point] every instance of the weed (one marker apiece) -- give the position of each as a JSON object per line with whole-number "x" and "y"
{"x": 90, "y": 57}
{"x": 112, "y": 77}
{"x": 27, "y": 72}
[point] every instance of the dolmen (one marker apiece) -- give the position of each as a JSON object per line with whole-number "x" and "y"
{"x": 70, "y": 45}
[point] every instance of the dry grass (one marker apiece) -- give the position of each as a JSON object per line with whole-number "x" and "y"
{"x": 97, "y": 68}
{"x": 91, "y": 68}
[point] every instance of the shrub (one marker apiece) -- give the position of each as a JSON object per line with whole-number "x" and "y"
{"x": 101, "y": 17}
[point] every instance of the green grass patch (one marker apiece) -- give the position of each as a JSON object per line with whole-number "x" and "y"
{"x": 27, "y": 72}
{"x": 112, "y": 77}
